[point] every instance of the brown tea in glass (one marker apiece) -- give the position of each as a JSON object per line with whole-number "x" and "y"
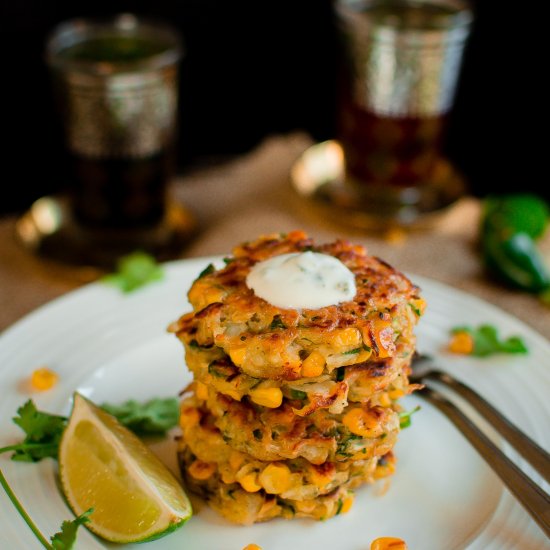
{"x": 399, "y": 73}
{"x": 399, "y": 151}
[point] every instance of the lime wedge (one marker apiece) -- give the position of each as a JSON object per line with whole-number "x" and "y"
{"x": 104, "y": 466}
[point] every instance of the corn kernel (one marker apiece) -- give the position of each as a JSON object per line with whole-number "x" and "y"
{"x": 43, "y": 379}
{"x": 346, "y": 337}
{"x": 235, "y": 460}
{"x": 268, "y": 397}
{"x": 418, "y": 305}
{"x": 396, "y": 394}
{"x": 232, "y": 393}
{"x": 365, "y": 423}
{"x": 202, "y": 295}
{"x": 363, "y": 355}
{"x": 313, "y": 365}
{"x": 201, "y": 391}
{"x": 189, "y": 417}
{"x": 384, "y": 400}
{"x": 201, "y": 470}
{"x": 388, "y": 543}
{"x": 227, "y": 476}
{"x": 249, "y": 483}
{"x": 461, "y": 342}
{"x": 237, "y": 356}
{"x": 347, "y": 504}
{"x": 275, "y": 478}
{"x": 252, "y": 547}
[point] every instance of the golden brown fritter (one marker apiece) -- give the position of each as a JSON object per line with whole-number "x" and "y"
{"x": 275, "y": 434}
{"x": 361, "y": 382}
{"x": 265, "y": 341}
{"x": 291, "y": 409}
{"x": 246, "y": 490}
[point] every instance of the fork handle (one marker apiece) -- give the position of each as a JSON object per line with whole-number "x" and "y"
{"x": 525, "y": 446}
{"x": 531, "y": 496}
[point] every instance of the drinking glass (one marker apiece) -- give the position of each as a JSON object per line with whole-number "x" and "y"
{"x": 115, "y": 83}
{"x": 401, "y": 66}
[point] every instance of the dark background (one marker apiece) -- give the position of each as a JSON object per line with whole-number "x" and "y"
{"x": 258, "y": 68}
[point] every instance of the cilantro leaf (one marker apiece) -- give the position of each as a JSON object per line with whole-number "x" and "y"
{"x": 65, "y": 539}
{"x": 298, "y": 394}
{"x": 487, "y": 342}
{"x": 43, "y": 433}
{"x": 276, "y": 323}
{"x": 155, "y": 416}
{"x": 405, "y": 417}
{"x": 134, "y": 271}
{"x": 206, "y": 271}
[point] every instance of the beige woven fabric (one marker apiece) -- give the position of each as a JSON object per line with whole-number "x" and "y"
{"x": 251, "y": 195}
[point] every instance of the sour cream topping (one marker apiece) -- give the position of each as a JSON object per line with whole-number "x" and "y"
{"x": 302, "y": 280}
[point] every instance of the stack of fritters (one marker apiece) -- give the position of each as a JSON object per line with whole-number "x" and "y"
{"x": 289, "y": 409}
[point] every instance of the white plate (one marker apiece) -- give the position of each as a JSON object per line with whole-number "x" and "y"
{"x": 113, "y": 347}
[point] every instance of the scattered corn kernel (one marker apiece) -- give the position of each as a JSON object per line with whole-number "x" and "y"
{"x": 237, "y": 356}
{"x": 43, "y": 379}
{"x": 249, "y": 483}
{"x": 365, "y": 423}
{"x": 347, "y": 504}
{"x": 202, "y": 470}
{"x": 201, "y": 391}
{"x": 313, "y": 365}
{"x": 268, "y": 397}
{"x": 275, "y": 478}
{"x": 461, "y": 342}
{"x": 388, "y": 543}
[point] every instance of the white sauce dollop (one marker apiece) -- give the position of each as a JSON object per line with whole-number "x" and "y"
{"x": 302, "y": 280}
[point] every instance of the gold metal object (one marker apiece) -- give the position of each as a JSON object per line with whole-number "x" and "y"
{"x": 49, "y": 230}
{"x": 319, "y": 177}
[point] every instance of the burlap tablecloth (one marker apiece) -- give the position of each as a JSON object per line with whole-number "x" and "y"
{"x": 251, "y": 195}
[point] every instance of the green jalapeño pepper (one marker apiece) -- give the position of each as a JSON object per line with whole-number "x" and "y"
{"x": 510, "y": 226}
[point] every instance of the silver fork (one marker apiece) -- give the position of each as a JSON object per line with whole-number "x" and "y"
{"x": 534, "y": 499}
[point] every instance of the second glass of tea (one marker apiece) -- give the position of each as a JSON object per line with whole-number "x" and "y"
{"x": 401, "y": 66}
